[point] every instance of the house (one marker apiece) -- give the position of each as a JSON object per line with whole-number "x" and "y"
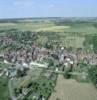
{"x": 25, "y": 91}
{"x": 56, "y": 69}
{"x": 12, "y": 73}
{"x": 7, "y": 73}
{"x": 25, "y": 65}
{"x": 1, "y": 57}
{"x": 6, "y": 62}
{"x": 66, "y": 64}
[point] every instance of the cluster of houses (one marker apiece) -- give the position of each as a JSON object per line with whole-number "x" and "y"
{"x": 24, "y": 57}
{"x": 6, "y": 40}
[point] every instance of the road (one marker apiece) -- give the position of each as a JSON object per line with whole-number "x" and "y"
{"x": 38, "y": 65}
{"x": 32, "y": 63}
{"x": 62, "y": 72}
{"x": 11, "y": 90}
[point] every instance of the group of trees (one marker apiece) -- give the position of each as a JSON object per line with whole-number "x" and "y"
{"x": 93, "y": 74}
{"x": 42, "y": 88}
{"x": 94, "y": 41}
{"x": 91, "y": 40}
{"x": 48, "y": 45}
{"x": 22, "y": 37}
{"x": 90, "y": 72}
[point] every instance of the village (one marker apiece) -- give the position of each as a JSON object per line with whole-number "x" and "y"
{"x": 48, "y": 49}
{"x": 23, "y": 61}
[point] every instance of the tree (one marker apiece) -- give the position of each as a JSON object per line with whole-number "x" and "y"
{"x": 51, "y": 62}
{"x": 93, "y": 74}
{"x": 48, "y": 45}
{"x": 58, "y": 99}
{"x": 91, "y": 40}
{"x": 94, "y": 41}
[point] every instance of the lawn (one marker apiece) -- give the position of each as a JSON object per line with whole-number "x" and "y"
{"x": 72, "y": 90}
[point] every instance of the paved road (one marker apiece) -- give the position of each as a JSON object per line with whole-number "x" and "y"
{"x": 32, "y": 63}
{"x": 38, "y": 65}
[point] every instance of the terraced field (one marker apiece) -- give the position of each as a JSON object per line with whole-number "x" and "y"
{"x": 72, "y": 90}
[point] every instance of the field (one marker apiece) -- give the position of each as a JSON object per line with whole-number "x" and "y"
{"x": 25, "y": 26}
{"x": 72, "y": 90}
{"x": 49, "y": 26}
{"x": 71, "y": 34}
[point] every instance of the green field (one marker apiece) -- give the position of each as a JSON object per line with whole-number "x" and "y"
{"x": 25, "y": 26}
{"x": 49, "y": 26}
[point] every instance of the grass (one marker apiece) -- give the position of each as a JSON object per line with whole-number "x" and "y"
{"x": 72, "y": 90}
{"x": 73, "y": 41}
{"x": 42, "y": 40}
{"x": 54, "y": 29}
{"x": 83, "y": 29}
{"x": 25, "y": 26}
{"x": 33, "y": 74}
{"x": 3, "y": 65}
{"x": 7, "y": 24}
{"x": 4, "y": 94}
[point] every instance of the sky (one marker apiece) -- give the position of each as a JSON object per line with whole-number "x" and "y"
{"x": 47, "y": 8}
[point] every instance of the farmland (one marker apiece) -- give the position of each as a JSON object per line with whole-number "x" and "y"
{"x": 50, "y": 26}
{"x": 72, "y": 90}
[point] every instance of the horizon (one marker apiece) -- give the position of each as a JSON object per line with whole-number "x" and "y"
{"x": 22, "y": 18}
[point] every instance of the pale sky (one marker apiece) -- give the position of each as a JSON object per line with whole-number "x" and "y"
{"x": 48, "y": 8}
